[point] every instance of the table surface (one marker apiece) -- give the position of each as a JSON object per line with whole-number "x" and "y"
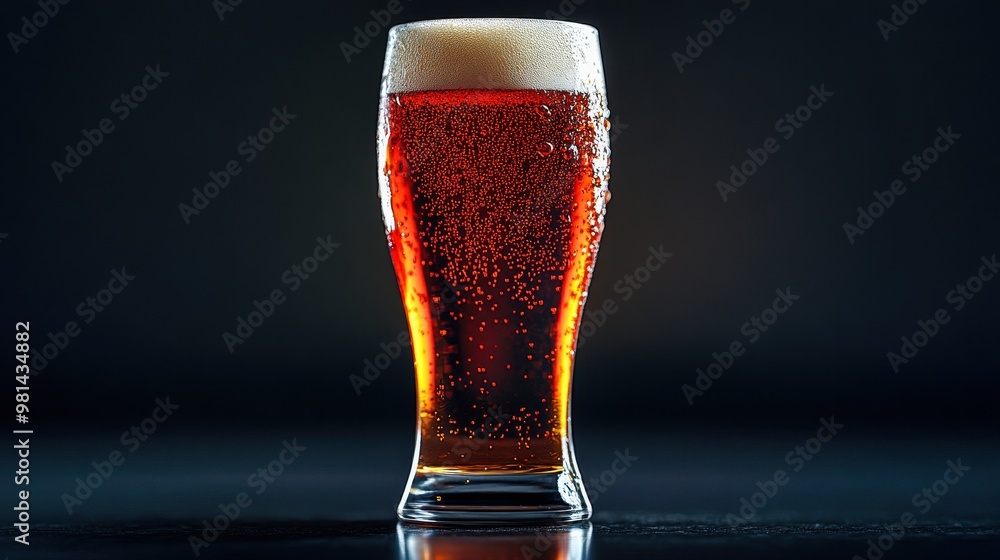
{"x": 336, "y": 500}
{"x": 617, "y": 536}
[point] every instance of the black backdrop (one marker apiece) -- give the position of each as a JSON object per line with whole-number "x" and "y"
{"x": 677, "y": 133}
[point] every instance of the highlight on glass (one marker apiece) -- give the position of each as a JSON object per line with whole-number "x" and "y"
{"x": 493, "y": 156}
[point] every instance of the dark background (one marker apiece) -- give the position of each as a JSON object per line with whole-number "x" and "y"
{"x": 827, "y": 355}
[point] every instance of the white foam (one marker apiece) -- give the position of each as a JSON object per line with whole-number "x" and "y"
{"x": 492, "y": 54}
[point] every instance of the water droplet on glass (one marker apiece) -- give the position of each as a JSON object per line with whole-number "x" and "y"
{"x": 543, "y": 111}
{"x": 607, "y": 124}
{"x": 571, "y": 152}
{"x": 545, "y": 148}
{"x": 607, "y": 197}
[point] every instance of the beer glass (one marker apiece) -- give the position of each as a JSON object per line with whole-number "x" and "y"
{"x": 493, "y": 155}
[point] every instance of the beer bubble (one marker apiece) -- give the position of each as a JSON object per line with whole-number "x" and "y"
{"x": 545, "y": 148}
{"x": 607, "y": 124}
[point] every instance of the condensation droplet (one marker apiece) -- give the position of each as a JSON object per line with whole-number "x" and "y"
{"x": 545, "y": 148}
{"x": 543, "y": 111}
{"x": 607, "y": 124}
{"x": 402, "y": 166}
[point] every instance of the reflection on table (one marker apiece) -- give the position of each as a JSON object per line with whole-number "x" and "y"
{"x": 548, "y": 543}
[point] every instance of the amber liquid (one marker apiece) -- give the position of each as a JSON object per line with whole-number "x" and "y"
{"x": 494, "y": 207}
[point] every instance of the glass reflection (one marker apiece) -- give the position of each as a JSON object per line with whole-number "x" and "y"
{"x": 545, "y": 543}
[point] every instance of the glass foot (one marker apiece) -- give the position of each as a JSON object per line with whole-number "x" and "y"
{"x": 503, "y": 498}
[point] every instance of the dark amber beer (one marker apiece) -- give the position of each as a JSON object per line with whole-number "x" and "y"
{"x": 493, "y": 200}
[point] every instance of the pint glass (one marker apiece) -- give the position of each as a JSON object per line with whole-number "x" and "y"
{"x": 493, "y": 155}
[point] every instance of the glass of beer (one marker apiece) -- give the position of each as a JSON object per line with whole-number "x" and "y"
{"x": 493, "y": 155}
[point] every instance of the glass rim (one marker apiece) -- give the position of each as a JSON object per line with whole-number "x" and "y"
{"x": 484, "y": 20}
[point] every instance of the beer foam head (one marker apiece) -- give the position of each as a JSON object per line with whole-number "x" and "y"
{"x": 492, "y": 54}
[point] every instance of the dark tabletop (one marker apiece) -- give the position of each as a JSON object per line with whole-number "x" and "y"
{"x": 682, "y": 498}
{"x": 608, "y": 536}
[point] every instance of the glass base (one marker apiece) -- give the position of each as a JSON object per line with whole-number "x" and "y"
{"x": 505, "y": 498}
